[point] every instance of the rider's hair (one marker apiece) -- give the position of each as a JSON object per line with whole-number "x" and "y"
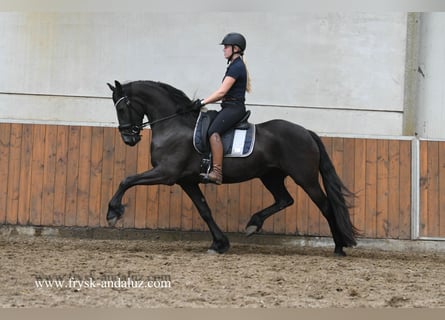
{"x": 249, "y": 81}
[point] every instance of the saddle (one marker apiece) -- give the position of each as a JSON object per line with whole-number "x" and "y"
{"x": 237, "y": 142}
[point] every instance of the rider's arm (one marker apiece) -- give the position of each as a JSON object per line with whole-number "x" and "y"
{"x": 221, "y": 92}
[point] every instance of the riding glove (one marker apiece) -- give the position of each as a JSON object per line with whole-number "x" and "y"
{"x": 197, "y": 105}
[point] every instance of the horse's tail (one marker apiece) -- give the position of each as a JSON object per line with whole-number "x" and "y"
{"x": 337, "y": 193}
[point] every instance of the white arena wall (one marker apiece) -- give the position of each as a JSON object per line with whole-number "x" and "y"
{"x": 338, "y": 73}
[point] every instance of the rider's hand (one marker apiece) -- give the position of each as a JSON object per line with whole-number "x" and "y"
{"x": 197, "y": 105}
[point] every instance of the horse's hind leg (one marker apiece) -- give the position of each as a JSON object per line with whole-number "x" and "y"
{"x": 317, "y": 195}
{"x": 274, "y": 182}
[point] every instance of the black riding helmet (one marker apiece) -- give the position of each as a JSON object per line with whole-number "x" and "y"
{"x": 234, "y": 39}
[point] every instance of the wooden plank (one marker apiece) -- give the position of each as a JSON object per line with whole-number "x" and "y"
{"x": 161, "y": 209}
{"x": 13, "y": 180}
{"x": 423, "y": 189}
{"x": 324, "y": 229}
{"x": 405, "y": 203}
{"x": 279, "y": 221}
{"x": 302, "y": 201}
{"x": 341, "y": 166}
{"x": 60, "y": 180}
{"x": 245, "y": 210}
{"x": 267, "y": 200}
{"x": 433, "y": 189}
{"x": 130, "y": 194}
{"x": 394, "y": 189}
{"x": 221, "y": 207}
{"x": 187, "y": 212}
{"x": 233, "y": 210}
{"x": 119, "y": 168}
{"x": 107, "y": 183}
{"x": 382, "y": 227}
{"x": 233, "y": 207}
{"x": 256, "y": 201}
{"x": 94, "y": 196}
{"x": 197, "y": 222}
{"x": 175, "y": 207}
{"x": 141, "y": 205}
{"x": 49, "y": 175}
{"x": 153, "y": 211}
{"x": 442, "y": 189}
{"x": 25, "y": 175}
{"x": 317, "y": 223}
{"x": 37, "y": 174}
{"x": 371, "y": 188}
{"x": 164, "y": 207}
{"x": 291, "y": 212}
{"x": 359, "y": 209}
{"x": 209, "y": 192}
{"x": 5, "y": 136}
{"x": 314, "y": 218}
{"x": 83, "y": 187}
{"x": 349, "y": 171}
{"x": 72, "y": 176}
{"x": 336, "y": 150}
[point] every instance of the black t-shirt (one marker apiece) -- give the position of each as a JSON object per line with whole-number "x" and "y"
{"x": 237, "y": 70}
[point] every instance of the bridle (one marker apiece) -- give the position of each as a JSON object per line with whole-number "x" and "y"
{"x": 135, "y": 129}
{"x": 130, "y": 127}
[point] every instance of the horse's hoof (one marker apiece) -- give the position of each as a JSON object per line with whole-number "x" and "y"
{"x": 114, "y": 214}
{"x": 339, "y": 253}
{"x": 112, "y": 221}
{"x": 251, "y": 230}
{"x": 219, "y": 247}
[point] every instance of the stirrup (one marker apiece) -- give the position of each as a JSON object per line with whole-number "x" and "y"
{"x": 214, "y": 176}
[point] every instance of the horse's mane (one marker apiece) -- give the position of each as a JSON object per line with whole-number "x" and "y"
{"x": 178, "y": 96}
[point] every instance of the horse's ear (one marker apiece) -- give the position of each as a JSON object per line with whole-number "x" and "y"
{"x": 111, "y": 87}
{"x": 118, "y": 87}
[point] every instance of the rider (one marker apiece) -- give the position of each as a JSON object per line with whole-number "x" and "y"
{"x": 232, "y": 95}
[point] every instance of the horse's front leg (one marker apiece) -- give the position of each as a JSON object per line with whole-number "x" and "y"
{"x": 220, "y": 241}
{"x": 116, "y": 208}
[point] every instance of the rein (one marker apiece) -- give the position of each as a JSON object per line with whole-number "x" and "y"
{"x": 147, "y": 123}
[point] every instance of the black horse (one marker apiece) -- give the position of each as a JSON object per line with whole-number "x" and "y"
{"x": 282, "y": 149}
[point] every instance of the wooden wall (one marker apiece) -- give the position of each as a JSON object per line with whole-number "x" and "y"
{"x": 65, "y": 175}
{"x": 432, "y": 181}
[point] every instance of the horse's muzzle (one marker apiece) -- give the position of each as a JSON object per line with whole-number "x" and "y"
{"x": 131, "y": 139}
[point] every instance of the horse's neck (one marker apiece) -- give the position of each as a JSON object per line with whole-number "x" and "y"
{"x": 156, "y": 109}
{"x": 157, "y": 104}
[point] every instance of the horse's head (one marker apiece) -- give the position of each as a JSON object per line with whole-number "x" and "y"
{"x": 129, "y": 117}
